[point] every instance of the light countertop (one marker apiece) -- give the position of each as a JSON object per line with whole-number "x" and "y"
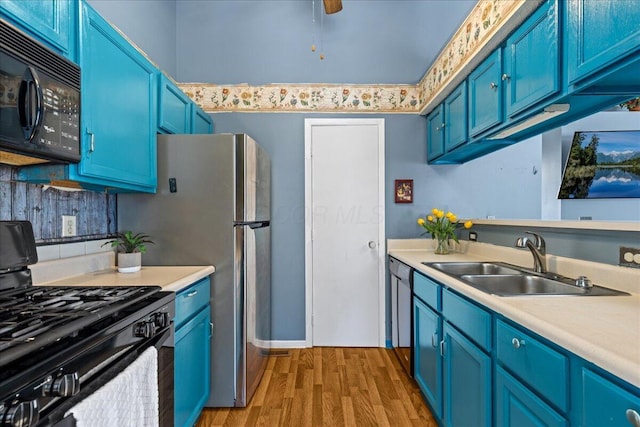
{"x": 99, "y": 270}
{"x": 168, "y": 278}
{"x": 603, "y": 330}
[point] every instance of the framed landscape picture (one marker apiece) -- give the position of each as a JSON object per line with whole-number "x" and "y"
{"x": 602, "y": 164}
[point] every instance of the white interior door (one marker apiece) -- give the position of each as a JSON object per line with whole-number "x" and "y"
{"x": 345, "y": 232}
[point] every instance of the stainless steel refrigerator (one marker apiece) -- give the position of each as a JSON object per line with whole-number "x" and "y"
{"x": 213, "y": 207}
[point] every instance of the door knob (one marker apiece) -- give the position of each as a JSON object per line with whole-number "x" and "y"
{"x": 372, "y": 244}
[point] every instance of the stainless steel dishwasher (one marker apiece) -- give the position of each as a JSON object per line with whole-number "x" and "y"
{"x": 402, "y": 313}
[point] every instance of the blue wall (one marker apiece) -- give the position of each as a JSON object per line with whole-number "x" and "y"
{"x": 261, "y": 42}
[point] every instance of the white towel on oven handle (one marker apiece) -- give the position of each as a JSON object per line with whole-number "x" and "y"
{"x": 130, "y": 399}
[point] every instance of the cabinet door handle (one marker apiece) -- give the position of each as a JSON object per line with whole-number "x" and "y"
{"x": 92, "y": 145}
{"x": 439, "y": 128}
{"x": 210, "y": 329}
{"x": 190, "y": 294}
{"x": 434, "y": 339}
{"x": 505, "y": 77}
{"x": 517, "y": 343}
{"x": 633, "y": 417}
{"x": 442, "y": 348}
{"x": 493, "y": 86}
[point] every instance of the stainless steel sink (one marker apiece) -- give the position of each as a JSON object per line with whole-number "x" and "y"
{"x": 509, "y": 280}
{"x": 461, "y": 268}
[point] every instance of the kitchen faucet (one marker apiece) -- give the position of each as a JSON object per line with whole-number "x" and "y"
{"x": 538, "y": 250}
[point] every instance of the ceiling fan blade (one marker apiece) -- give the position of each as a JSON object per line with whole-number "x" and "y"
{"x": 332, "y": 6}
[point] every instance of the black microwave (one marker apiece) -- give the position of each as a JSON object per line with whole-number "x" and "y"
{"x": 39, "y": 102}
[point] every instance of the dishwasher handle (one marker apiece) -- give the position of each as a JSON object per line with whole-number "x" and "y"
{"x": 400, "y": 270}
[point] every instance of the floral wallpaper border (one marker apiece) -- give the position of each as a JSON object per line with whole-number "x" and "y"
{"x": 296, "y": 98}
{"x": 484, "y": 21}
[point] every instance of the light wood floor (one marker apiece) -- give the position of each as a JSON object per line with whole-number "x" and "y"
{"x": 326, "y": 386}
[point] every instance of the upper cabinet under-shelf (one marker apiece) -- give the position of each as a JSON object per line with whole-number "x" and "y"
{"x": 569, "y": 59}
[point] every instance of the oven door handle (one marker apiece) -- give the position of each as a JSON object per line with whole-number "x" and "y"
{"x": 57, "y": 418}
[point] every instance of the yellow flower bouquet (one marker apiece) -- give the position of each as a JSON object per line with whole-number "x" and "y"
{"x": 442, "y": 227}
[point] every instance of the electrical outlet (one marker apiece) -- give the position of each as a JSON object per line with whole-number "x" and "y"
{"x": 473, "y": 236}
{"x": 629, "y": 257}
{"x": 69, "y": 226}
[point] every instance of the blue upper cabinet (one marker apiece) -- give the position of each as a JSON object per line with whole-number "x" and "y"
{"x": 455, "y": 113}
{"x": 532, "y": 60}
{"x": 447, "y": 124}
{"x": 485, "y": 94}
{"x": 177, "y": 113}
{"x": 119, "y": 87}
{"x": 174, "y": 108}
{"x": 600, "y": 34}
{"x": 51, "y": 22}
{"x": 201, "y": 122}
{"x": 435, "y": 133}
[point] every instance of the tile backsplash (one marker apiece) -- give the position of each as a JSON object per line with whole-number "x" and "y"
{"x": 44, "y": 206}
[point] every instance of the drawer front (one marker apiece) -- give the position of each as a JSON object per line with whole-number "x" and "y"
{"x": 472, "y": 320}
{"x": 427, "y": 290}
{"x": 190, "y": 300}
{"x": 538, "y": 365}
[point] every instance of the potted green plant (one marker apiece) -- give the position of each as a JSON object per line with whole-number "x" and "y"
{"x": 130, "y": 248}
{"x": 632, "y": 104}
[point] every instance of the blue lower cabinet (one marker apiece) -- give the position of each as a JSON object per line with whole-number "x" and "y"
{"x": 426, "y": 357}
{"x": 517, "y": 406}
{"x": 467, "y": 381}
{"x": 606, "y": 404}
{"x": 192, "y": 363}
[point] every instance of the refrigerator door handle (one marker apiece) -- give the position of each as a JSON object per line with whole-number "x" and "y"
{"x": 252, "y": 224}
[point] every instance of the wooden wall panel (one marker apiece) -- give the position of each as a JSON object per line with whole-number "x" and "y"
{"x": 44, "y": 207}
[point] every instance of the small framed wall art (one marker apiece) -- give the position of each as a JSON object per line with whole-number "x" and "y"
{"x": 403, "y": 190}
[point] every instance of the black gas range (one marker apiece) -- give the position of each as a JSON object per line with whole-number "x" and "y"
{"x": 60, "y": 344}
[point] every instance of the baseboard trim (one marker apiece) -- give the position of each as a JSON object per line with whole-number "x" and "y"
{"x": 287, "y": 344}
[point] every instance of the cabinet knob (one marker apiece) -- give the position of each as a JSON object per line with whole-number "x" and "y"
{"x": 493, "y": 86}
{"x": 505, "y": 77}
{"x": 517, "y": 343}
{"x": 372, "y": 244}
{"x": 633, "y": 417}
{"x": 439, "y": 128}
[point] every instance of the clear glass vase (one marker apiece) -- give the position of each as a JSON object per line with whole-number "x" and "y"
{"x": 442, "y": 246}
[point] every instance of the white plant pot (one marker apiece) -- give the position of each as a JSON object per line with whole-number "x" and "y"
{"x": 129, "y": 263}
